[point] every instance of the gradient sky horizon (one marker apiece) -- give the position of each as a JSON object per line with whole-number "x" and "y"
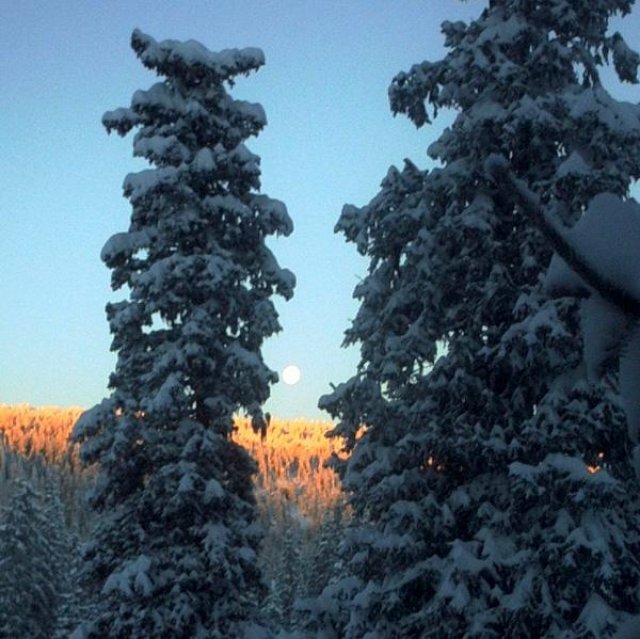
{"x": 330, "y": 140}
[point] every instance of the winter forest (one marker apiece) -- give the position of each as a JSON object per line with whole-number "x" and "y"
{"x": 481, "y": 474}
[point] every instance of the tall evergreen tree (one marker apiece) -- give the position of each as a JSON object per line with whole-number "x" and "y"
{"x": 288, "y": 578}
{"x": 492, "y": 489}
{"x": 30, "y": 567}
{"x": 174, "y": 552}
{"x": 322, "y": 554}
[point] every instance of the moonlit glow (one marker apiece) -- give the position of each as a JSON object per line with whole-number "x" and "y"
{"x": 291, "y": 374}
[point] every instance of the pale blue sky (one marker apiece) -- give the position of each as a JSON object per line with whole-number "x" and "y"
{"x": 330, "y": 140}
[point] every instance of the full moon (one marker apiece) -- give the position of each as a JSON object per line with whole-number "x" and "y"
{"x": 291, "y": 374}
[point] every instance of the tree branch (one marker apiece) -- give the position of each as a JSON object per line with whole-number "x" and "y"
{"x": 499, "y": 169}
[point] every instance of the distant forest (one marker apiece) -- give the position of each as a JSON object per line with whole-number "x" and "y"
{"x": 299, "y": 499}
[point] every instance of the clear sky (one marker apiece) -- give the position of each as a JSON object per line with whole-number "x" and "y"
{"x": 330, "y": 140}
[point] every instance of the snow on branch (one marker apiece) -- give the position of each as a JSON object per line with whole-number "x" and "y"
{"x": 193, "y": 55}
{"x": 601, "y": 254}
{"x": 611, "y": 269}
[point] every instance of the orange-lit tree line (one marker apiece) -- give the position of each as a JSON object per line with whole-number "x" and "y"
{"x": 42, "y": 431}
{"x": 34, "y": 446}
{"x": 290, "y": 460}
{"x": 291, "y": 465}
{"x": 301, "y": 510}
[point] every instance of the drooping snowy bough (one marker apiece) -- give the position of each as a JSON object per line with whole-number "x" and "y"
{"x": 174, "y": 552}
{"x": 597, "y": 259}
{"x": 492, "y": 488}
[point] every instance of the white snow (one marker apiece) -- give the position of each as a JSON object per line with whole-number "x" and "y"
{"x": 204, "y": 161}
{"x": 595, "y": 617}
{"x": 131, "y": 578}
{"x": 629, "y": 629}
{"x": 573, "y": 165}
{"x": 159, "y": 95}
{"x": 136, "y": 185}
{"x": 213, "y": 490}
{"x": 191, "y": 53}
{"x": 610, "y": 113}
{"x": 252, "y": 110}
{"x": 602, "y": 324}
{"x": 573, "y": 467}
{"x": 608, "y": 236}
{"x": 630, "y": 382}
{"x": 124, "y": 244}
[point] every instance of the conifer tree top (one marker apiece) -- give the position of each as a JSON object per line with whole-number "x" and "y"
{"x": 194, "y": 59}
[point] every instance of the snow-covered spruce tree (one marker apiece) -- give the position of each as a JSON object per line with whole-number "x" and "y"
{"x": 30, "y": 563}
{"x": 477, "y": 511}
{"x": 288, "y": 578}
{"x": 321, "y": 556}
{"x": 174, "y": 552}
{"x": 64, "y": 559}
